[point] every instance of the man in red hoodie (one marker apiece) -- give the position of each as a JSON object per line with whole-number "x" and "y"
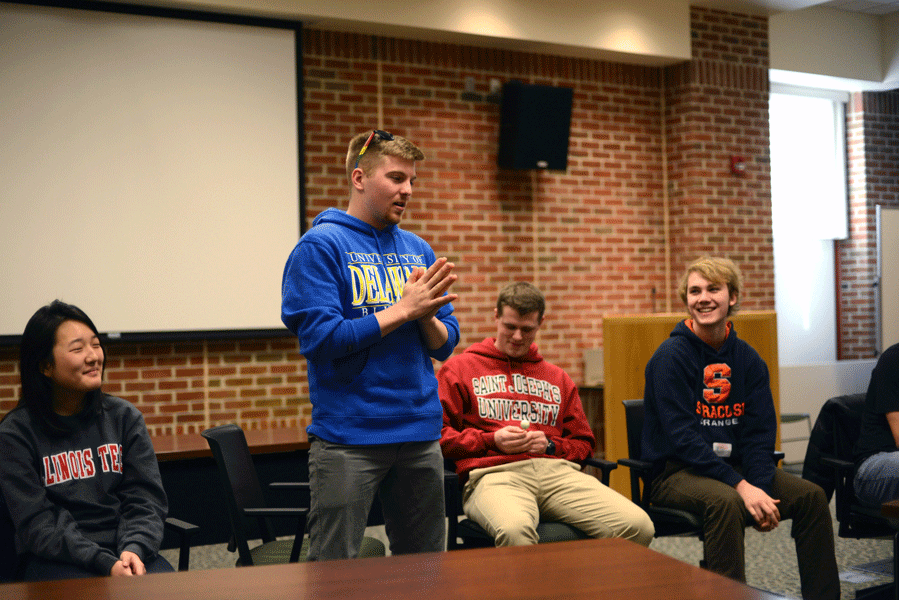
{"x": 515, "y": 427}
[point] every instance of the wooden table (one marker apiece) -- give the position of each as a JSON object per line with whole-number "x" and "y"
{"x": 588, "y": 569}
{"x": 261, "y": 441}
{"x": 890, "y": 509}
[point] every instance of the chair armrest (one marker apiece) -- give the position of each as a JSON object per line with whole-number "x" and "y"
{"x": 452, "y": 491}
{"x": 289, "y": 485}
{"x": 605, "y": 467}
{"x": 185, "y": 531}
{"x": 453, "y": 498}
{"x": 276, "y": 512}
{"x": 641, "y": 466}
{"x": 842, "y": 473}
{"x": 837, "y": 463}
{"x": 640, "y": 471}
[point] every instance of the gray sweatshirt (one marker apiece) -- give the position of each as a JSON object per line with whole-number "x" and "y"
{"x": 87, "y": 496}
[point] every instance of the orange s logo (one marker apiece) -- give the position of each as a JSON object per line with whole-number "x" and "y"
{"x": 717, "y": 385}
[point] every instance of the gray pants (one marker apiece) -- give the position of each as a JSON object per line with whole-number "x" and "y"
{"x": 408, "y": 479}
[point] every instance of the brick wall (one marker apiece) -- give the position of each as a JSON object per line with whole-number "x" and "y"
{"x": 873, "y": 151}
{"x": 185, "y": 387}
{"x": 594, "y": 237}
{"x": 718, "y": 109}
{"x": 589, "y": 237}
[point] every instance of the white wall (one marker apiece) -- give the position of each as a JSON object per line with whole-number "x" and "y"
{"x": 890, "y": 32}
{"x": 805, "y": 388}
{"x": 636, "y": 31}
{"x": 827, "y": 41}
{"x": 814, "y": 41}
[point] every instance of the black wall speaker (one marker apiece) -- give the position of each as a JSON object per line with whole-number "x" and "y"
{"x": 534, "y": 124}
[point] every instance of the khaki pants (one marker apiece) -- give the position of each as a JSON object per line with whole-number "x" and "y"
{"x": 509, "y": 500}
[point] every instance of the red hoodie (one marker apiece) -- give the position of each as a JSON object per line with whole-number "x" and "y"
{"x": 483, "y": 390}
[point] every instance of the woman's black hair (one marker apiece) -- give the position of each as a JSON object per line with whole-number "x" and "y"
{"x": 36, "y": 352}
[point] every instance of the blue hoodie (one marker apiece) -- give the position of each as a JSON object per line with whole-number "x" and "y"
{"x": 364, "y": 388}
{"x": 697, "y": 397}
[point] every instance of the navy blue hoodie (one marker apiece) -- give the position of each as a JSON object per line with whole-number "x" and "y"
{"x": 702, "y": 404}
{"x": 364, "y": 388}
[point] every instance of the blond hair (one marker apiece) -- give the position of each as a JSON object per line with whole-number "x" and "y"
{"x": 716, "y": 270}
{"x": 377, "y": 149}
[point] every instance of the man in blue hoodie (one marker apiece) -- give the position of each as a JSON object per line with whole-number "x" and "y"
{"x": 370, "y": 305}
{"x": 710, "y": 429}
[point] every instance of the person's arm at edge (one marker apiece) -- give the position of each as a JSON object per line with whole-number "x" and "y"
{"x": 885, "y": 384}
{"x": 893, "y": 422}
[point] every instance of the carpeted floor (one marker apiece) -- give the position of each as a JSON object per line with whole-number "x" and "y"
{"x": 770, "y": 559}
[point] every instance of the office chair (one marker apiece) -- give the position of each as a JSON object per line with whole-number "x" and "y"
{"x": 841, "y": 418}
{"x": 466, "y": 533}
{"x": 246, "y": 503}
{"x": 185, "y": 532}
{"x": 9, "y": 560}
{"x": 667, "y": 521}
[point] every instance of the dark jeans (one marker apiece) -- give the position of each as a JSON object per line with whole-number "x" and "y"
{"x": 34, "y": 568}
{"x": 725, "y": 517}
{"x": 877, "y": 479}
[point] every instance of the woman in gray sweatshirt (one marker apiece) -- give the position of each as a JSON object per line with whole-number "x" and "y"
{"x": 78, "y": 473}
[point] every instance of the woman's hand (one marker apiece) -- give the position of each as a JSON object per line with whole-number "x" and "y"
{"x": 128, "y": 564}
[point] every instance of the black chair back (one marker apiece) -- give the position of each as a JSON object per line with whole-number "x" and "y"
{"x": 634, "y": 413}
{"x": 839, "y": 425}
{"x": 240, "y": 483}
{"x": 667, "y": 521}
{"x": 9, "y": 559}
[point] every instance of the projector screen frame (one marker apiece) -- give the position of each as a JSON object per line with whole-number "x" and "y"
{"x": 296, "y": 27}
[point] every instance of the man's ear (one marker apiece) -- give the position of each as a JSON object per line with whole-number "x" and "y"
{"x": 357, "y": 179}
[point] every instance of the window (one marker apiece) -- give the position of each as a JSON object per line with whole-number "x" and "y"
{"x": 809, "y": 211}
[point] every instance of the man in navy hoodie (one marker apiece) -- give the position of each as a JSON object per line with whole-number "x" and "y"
{"x": 369, "y": 304}
{"x": 710, "y": 430}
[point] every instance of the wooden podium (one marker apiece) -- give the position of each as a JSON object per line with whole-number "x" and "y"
{"x": 629, "y": 342}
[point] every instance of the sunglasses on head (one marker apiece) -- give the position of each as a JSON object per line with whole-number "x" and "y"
{"x": 387, "y": 137}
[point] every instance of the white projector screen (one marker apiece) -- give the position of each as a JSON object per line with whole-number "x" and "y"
{"x": 149, "y": 169}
